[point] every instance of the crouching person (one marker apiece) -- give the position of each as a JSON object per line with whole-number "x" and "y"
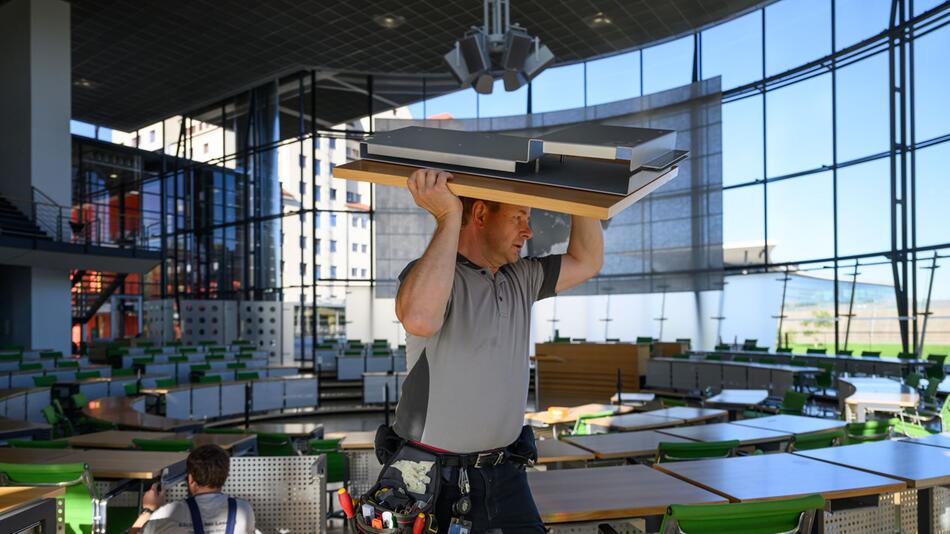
{"x": 207, "y": 511}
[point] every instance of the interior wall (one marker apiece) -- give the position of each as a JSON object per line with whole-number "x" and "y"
{"x": 50, "y": 310}
{"x": 15, "y": 304}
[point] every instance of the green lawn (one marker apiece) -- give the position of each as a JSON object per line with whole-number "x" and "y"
{"x": 886, "y": 349}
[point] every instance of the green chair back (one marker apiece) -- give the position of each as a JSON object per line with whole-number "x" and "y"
{"x": 678, "y": 452}
{"x": 681, "y": 356}
{"x": 911, "y": 430}
{"x": 335, "y": 459}
{"x": 722, "y": 346}
{"x": 581, "y": 428}
{"x": 32, "y": 366}
{"x": 79, "y": 400}
{"x": 644, "y": 339}
{"x": 793, "y": 403}
{"x": 173, "y": 343}
{"x": 153, "y": 350}
{"x": 667, "y": 402}
{"x": 67, "y": 364}
{"x": 85, "y": 375}
{"x": 784, "y": 350}
{"x": 165, "y": 383}
{"x": 936, "y": 372}
{"x": 38, "y": 443}
{"x": 123, "y": 373}
{"x": 713, "y": 357}
{"x": 163, "y": 445}
{"x": 271, "y": 444}
{"x": 143, "y": 360}
{"x": 131, "y": 389}
{"x": 870, "y": 354}
{"x": 206, "y": 343}
{"x": 187, "y": 350}
{"x": 178, "y": 359}
{"x": 251, "y": 375}
{"x": 845, "y": 352}
{"x": 906, "y": 356}
{"x": 816, "y": 351}
{"x": 44, "y": 381}
{"x": 51, "y": 354}
{"x": 78, "y": 481}
{"x": 209, "y": 379}
{"x": 220, "y": 430}
{"x": 789, "y": 516}
{"x": 912, "y": 380}
{"x": 214, "y": 357}
{"x": 768, "y": 361}
{"x": 820, "y": 440}
{"x": 930, "y": 392}
{"x": 243, "y": 356}
{"x": 200, "y": 367}
{"x": 237, "y": 365}
{"x": 874, "y": 430}
{"x": 743, "y": 359}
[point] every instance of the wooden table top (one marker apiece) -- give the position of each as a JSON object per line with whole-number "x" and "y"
{"x": 919, "y": 466}
{"x": 552, "y": 416}
{"x": 767, "y": 477}
{"x": 739, "y": 397}
{"x": 746, "y": 435}
{"x": 121, "y": 411}
{"x": 355, "y": 440}
{"x": 876, "y": 390}
{"x": 294, "y": 430}
{"x": 633, "y": 421}
{"x": 111, "y": 464}
{"x": 553, "y": 450}
{"x": 623, "y": 444}
{"x": 122, "y": 439}
{"x": 935, "y": 440}
{"x": 18, "y": 425}
{"x": 13, "y": 497}
{"x": 793, "y": 424}
{"x": 690, "y": 414}
{"x": 569, "y": 495}
{"x": 633, "y": 397}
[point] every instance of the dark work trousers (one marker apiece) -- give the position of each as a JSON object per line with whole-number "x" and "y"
{"x": 501, "y": 498}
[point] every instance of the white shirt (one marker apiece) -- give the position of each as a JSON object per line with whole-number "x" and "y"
{"x": 175, "y": 518}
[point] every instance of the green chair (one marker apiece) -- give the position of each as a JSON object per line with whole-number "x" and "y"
{"x": 80, "y": 496}
{"x": 38, "y": 443}
{"x": 143, "y": 360}
{"x": 131, "y": 389}
{"x": 220, "y": 430}
{"x": 165, "y": 383}
{"x": 60, "y": 426}
{"x": 713, "y": 357}
{"x": 237, "y": 365}
{"x": 936, "y": 371}
{"x": 906, "y": 356}
{"x": 870, "y": 354}
{"x": 188, "y": 350}
{"x": 667, "y": 402}
{"x": 153, "y": 351}
{"x": 768, "y": 361}
{"x": 44, "y": 381}
{"x": 722, "y": 346}
{"x": 178, "y": 359}
{"x": 251, "y": 375}
{"x": 793, "y": 403}
{"x": 199, "y": 367}
{"x": 874, "y": 430}
{"x": 86, "y": 375}
{"x": 10, "y": 357}
{"x": 679, "y": 452}
{"x": 581, "y": 428}
{"x": 79, "y": 401}
{"x": 173, "y": 343}
{"x": 214, "y": 358}
{"x": 209, "y": 379}
{"x": 784, "y": 350}
{"x": 51, "y": 354}
{"x": 335, "y": 463}
{"x": 644, "y": 339}
{"x": 911, "y": 430}
{"x": 816, "y": 351}
{"x": 123, "y": 373}
{"x": 929, "y": 395}
{"x": 67, "y": 364}
{"x": 681, "y": 356}
{"x": 163, "y": 445}
{"x": 845, "y": 352}
{"x": 742, "y": 359}
{"x": 206, "y": 343}
{"x": 32, "y": 366}
{"x": 788, "y": 516}
{"x": 243, "y": 356}
{"x": 820, "y": 440}
{"x": 271, "y": 444}
{"x": 912, "y": 380}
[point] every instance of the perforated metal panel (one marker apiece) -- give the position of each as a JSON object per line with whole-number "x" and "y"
{"x": 906, "y": 501}
{"x": 881, "y": 519}
{"x": 364, "y": 469}
{"x": 261, "y": 324}
{"x": 286, "y": 493}
{"x": 158, "y": 320}
{"x": 203, "y": 320}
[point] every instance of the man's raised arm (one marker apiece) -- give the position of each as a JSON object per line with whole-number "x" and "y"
{"x": 425, "y": 290}
{"x": 585, "y": 253}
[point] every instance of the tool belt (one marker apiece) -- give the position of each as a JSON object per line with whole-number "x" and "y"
{"x": 402, "y": 501}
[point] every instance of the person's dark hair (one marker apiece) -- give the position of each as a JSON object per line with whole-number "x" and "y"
{"x": 208, "y": 465}
{"x": 469, "y": 203}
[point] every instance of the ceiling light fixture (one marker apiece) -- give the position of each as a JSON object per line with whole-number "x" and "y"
{"x": 498, "y": 46}
{"x": 389, "y": 21}
{"x": 598, "y": 20}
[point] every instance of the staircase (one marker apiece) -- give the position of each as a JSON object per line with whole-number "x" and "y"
{"x": 14, "y": 223}
{"x": 91, "y": 290}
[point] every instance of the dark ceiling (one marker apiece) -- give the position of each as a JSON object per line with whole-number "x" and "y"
{"x": 135, "y": 63}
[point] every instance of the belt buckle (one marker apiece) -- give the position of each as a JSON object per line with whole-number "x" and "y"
{"x": 499, "y": 457}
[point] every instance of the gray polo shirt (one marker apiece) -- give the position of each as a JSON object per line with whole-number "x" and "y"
{"x": 468, "y": 383}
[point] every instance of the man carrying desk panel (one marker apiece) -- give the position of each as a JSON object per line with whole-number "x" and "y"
{"x": 466, "y": 307}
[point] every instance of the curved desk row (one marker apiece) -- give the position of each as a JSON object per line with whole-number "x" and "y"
{"x": 859, "y": 395}
{"x": 687, "y": 375}
{"x": 129, "y": 412}
{"x": 47, "y": 363}
{"x": 375, "y": 386}
{"x": 97, "y": 388}
{"x": 352, "y": 367}
{"x": 843, "y": 364}
{"x": 24, "y": 404}
{"x": 227, "y": 399}
{"x": 182, "y": 371}
{"x": 128, "y": 360}
{"x": 24, "y": 379}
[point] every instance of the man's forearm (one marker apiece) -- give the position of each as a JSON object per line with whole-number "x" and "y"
{"x": 424, "y": 293}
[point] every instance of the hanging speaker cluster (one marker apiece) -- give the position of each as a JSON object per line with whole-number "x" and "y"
{"x": 497, "y": 47}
